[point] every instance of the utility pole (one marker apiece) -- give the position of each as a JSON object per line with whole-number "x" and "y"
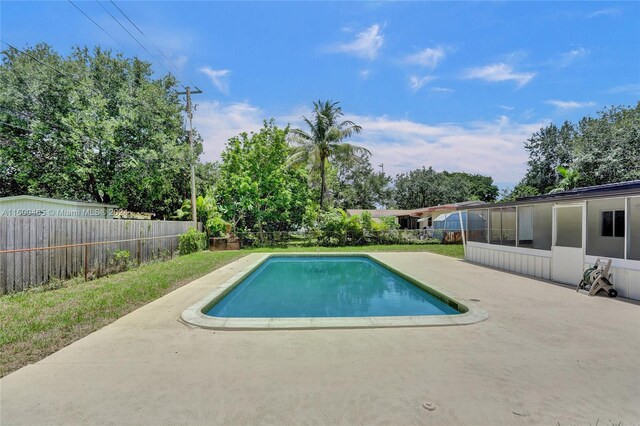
{"x": 188, "y": 92}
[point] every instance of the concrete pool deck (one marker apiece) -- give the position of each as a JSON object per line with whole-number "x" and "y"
{"x": 545, "y": 355}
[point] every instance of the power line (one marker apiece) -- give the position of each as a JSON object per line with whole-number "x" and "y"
{"x": 35, "y": 59}
{"x": 73, "y": 77}
{"x": 147, "y": 38}
{"x": 122, "y": 26}
{"x": 31, "y": 119}
{"x": 95, "y": 23}
{"x": 133, "y": 37}
{"x": 25, "y": 129}
{"x": 18, "y": 114}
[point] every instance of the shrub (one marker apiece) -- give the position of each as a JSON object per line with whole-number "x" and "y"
{"x": 332, "y": 227}
{"x": 367, "y": 222}
{"x": 355, "y": 232}
{"x": 120, "y": 260}
{"x": 335, "y": 227}
{"x": 192, "y": 241}
{"x": 216, "y": 226}
{"x": 207, "y": 213}
{"x": 390, "y": 222}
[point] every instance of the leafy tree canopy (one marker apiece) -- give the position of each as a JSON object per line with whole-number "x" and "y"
{"x": 596, "y": 151}
{"x": 91, "y": 126}
{"x": 257, "y": 190}
{"x": 359, "y": 186}
{"x": 426, "y": 187}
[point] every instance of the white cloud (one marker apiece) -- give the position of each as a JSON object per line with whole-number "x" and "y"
{"x": 442, "y": 89}
{"x": 364, "y": 74}
{"x": 633, "y": 89}
{"x": 499, "y": 72}
{"x": 604, "y": 12}
{"x": 416, "y": 83}
{"x": 567, "y": 105}
{"x": 217, "y": 122}
{"x": 494, "y": 148}
{"x": 568, "y": 57}
{"x": 218, "y": 78}
{"x": 428, "y": 57}
{"x": 179, "y": 61}
{"x": 365, "y": 45}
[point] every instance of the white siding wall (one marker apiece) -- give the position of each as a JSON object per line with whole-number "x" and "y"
{"x": 625, "y": 276}
{"x": 537, "y": 263}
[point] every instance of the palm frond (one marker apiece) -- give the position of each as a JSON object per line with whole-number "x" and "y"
{"x": 346, "y": 152}
{"x": 298, "y": 156}
{"x": 299, "y": 137}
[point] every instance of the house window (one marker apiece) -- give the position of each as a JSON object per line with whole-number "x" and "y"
{"x": 477, "y": 225}
{"x": 612, "y": 223}
{"x": 534, "y": 226}
{"x": 605, "y": 220}
{"x": 503, "y": 226}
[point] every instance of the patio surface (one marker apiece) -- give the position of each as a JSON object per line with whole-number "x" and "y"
{"x": 545, "y": 355}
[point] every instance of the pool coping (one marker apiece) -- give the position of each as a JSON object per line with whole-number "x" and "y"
{"x": 194, "y": 315}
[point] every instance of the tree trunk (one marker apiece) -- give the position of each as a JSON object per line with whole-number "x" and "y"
{"x": 322, "y": 182}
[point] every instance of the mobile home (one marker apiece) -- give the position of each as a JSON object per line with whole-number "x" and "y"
{"x": 557, "y": 236}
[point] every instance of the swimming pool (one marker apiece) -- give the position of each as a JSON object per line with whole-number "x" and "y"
{"x": 326, "y": 286}
{"x": 310, "y": 291}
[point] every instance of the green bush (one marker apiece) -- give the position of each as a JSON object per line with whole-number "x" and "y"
{"x": 367, "y": 222}
{"x": 389, "y": 223}
{"x": 335, "y": 228}
{"x": 216, "y": 226}
{"x": 192, "y": 241}
{"x": 121, "y": 260}
{"x": 207, "y": 213}
{"x": 332, "y": 227}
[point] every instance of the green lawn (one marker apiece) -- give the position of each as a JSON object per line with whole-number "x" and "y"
{"x": 40, "y": 321}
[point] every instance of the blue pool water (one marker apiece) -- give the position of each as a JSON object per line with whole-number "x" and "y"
{"x": 326, "y": 286}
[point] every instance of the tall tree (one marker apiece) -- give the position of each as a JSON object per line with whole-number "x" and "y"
{"x": 548, "y": 149}
{"x": 91, "y": 126}
{"x": 359, "y": 186}
{"x": 418, "y": 188}
{"x": 426, "y": 187}
{"x": 324, "y": 141}
{"x": 207, "y": 174}
{"x": 607, "y": 147}
{"x": 257, "y": 191}
{"x": 598, "y": 150}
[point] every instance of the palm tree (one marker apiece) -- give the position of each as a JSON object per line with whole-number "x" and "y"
{"x": 569, "y": 179}
{"x": 324, "y": 141}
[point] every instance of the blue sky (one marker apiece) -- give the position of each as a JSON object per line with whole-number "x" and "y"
{"x": 453, "y": 85}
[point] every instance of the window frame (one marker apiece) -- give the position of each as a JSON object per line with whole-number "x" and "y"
{"x": 613, "y": 223}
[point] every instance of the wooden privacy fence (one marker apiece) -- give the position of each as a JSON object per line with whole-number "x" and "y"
{"x": 33, "y": 250}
